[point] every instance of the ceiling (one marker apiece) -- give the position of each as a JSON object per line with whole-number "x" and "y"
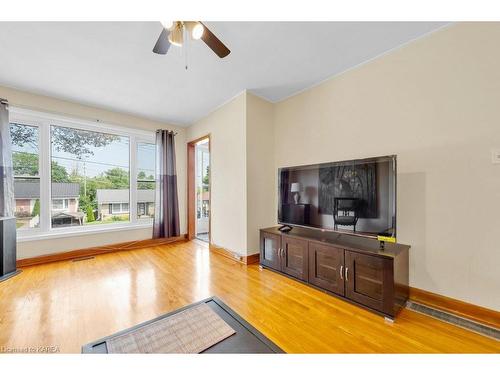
{"x": 110, "y": 64}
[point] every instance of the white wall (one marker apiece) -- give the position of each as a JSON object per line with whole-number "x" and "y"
{"x": 47, "y": 104}
{"x": 434, "y": 103}
{"x": 226, "y": 127}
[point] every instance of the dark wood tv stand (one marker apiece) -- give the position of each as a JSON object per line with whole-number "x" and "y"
{"x": 351, "y": 267}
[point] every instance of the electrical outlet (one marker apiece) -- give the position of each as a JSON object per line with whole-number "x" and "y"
{"x": 495, "y": 156}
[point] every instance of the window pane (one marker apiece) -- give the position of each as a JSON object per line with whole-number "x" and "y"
{"x": 202, "y": 184}
{"x": 145, "y": 180}
{"x": 90, "y": 175}
{"x": 26, "y": 178}
{"x": 57, "y": 204}
{"x": 146, "y": 161}
{"x": 141, "y": 209}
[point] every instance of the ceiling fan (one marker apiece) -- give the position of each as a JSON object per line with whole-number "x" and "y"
{"x": 175, "y": 33}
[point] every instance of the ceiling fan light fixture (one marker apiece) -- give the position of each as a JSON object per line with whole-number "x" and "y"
{"x": 167, "y": 24}
{"x": 197, "y": 31}
{"x": 180, "y": 33}
{"x": 176, "y": 35}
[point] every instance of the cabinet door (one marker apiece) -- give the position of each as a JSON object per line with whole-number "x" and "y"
{"x": 270, "y": 246}
{"x": 294, "y": 257}
{"x": 369, "y": 281}
{"x": 326, "y": 267}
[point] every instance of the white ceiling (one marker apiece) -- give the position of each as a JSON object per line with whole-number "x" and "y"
{"x": 110, "y": 64}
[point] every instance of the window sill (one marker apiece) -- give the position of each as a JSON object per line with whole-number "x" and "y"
{"x": 70, "y": 232}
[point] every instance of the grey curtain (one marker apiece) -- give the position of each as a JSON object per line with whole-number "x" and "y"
{"x": 6, "y": 175}
{"x": 166, "y": 221}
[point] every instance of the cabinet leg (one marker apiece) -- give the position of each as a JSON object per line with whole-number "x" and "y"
{"x": 388, "y": 320}
{"x": 260, "y": 268}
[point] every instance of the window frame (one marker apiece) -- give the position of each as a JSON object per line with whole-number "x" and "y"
{"x": 43, "y": 121}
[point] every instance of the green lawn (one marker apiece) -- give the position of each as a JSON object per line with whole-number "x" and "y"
{"x": 116, "y": 219}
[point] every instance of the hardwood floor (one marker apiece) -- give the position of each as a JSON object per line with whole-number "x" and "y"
{"x": 68, "y": 304}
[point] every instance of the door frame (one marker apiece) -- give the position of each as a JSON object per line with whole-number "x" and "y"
{"x": 191, "y": 187}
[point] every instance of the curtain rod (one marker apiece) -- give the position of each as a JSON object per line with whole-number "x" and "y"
{"x": 158, "y": 130}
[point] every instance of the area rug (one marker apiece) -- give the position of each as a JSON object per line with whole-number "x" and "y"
{"x": 190, "y": 331}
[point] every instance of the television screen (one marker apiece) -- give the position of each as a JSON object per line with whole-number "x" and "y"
{"x": 357, "y": 196}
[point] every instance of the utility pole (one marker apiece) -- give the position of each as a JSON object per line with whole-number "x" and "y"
{"x": 84, "y": 180}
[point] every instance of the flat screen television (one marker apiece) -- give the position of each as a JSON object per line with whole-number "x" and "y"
{"x": 353, "y": 196}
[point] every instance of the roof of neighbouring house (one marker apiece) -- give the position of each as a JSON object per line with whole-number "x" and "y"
{"x": 31, "y": 190}
{"x": 123, "y": 196}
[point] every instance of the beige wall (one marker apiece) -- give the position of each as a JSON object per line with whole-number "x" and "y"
{"x": 226, "y": 127}
{"x": 261, "y": 171}
{"x": 47, "y": 104}
{"x": 434, "y": 103}
{"x": 57, "y": 245}
{"x": 242, "y": 171}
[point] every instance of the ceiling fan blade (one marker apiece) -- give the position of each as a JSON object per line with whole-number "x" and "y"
{"x": 162, "y": 44}
{"x": 214, "y": 43}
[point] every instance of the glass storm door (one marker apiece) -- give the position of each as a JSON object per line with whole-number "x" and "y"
{"x": 202, "y": 186}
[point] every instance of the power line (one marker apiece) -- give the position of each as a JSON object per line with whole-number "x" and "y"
{"x": 92, "y": 162}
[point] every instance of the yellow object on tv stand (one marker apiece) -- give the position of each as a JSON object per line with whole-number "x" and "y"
{"x": 387, "y": 239}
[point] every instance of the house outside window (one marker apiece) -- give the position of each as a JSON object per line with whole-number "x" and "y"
{"x": 113, "y": 203}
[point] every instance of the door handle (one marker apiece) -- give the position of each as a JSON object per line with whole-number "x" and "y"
{"x": 346, "y": 277}
{"x": 341, "y": 275}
